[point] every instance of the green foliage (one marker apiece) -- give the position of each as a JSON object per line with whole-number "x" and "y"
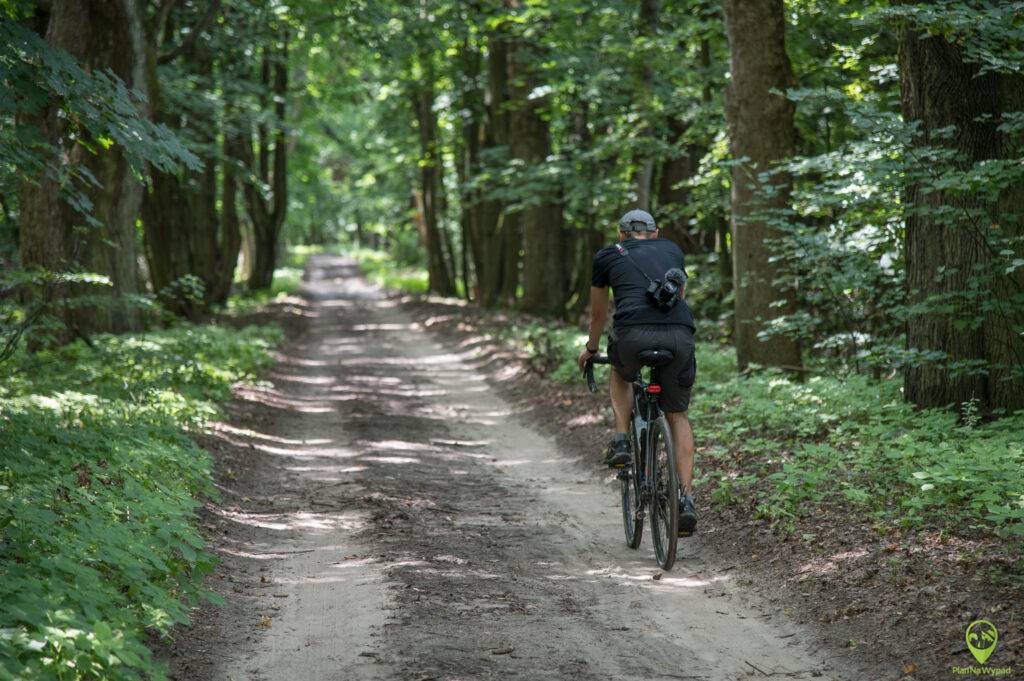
{"x": 854, "y": 441}
{"x": 990, "y": 34}
{"x": 843, "y": 238}
{"x": 98, "y": 487}
{"x": 383, "y": 269}
{"x": 287, "y": 282}
{"x": 98, "y": 107}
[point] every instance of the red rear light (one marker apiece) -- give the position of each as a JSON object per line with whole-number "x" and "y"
{"x": 654, "y": 389}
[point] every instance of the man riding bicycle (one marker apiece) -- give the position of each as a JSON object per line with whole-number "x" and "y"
{"x": 631, "y": 268}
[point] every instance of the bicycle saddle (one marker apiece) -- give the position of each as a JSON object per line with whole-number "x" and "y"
{"x": 654, "y": 358}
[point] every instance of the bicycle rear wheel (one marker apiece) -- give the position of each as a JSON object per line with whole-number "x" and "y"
{"x": 629, "y": 483}
{"x": 665, "y": 494}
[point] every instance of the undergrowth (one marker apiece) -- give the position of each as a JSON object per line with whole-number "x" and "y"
{"x": 287, "y": 281}
{"x": 380, "y": 268}
{"x": 98, "y": 487}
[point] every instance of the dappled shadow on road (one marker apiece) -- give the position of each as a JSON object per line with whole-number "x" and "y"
{"x": 376, "y": 491}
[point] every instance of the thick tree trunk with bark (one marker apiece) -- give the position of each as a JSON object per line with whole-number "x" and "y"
{"x": 761, "y": 132}
{"x": 545, "y": 270}
{"x": 179, "y": 213}
{"x": 102, "y": 35}
{"x": 948, "y": 248}
{"x": 491, "y": 236}
{"x": 267, "y": 214}
{"x": 648, "y": 18}
{"x": 185, "y": 233}
{"x": 500, "y": 230}
{"x": 430, "y": 193}
{"x": 673, "y": 196}
{"x": 471, "y": 129}
{"x": 230, "y": 242}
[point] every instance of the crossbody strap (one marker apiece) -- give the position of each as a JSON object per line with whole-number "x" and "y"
{"x": 625, "y": 254}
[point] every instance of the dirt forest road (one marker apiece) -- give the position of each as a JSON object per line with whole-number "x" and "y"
{"x": 386, "y": 516}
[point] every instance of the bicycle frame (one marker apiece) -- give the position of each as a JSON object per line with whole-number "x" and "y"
{"x": 640, "y": 483}
{"x": 646, "y": 410}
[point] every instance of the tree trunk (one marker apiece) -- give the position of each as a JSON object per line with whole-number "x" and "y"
{"x": 545, "y": 276}
{"x": 948, "y": 246}
{"x": 267, "y": 215}
{"x": 101, "y": 35}
{"x": 185, "y": 234}
{"x": 672, "y": 197}
{"x": 490, "y": 226}
{"x": 230, "y": 241}
{"x": 429, "y": 195}
{"x": 467, "y": 161}
{"x": 180, "y": 212}
{"x": 761, "y": 131}
{"x": 503, "y": 247}
{"x": 648, "y": 17}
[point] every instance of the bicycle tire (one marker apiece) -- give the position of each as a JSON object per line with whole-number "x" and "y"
{"x": 664, "y": 506}
{"x": 629, "y": 484}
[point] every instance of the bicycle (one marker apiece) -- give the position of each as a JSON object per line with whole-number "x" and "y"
{"x": 651, "y": 481}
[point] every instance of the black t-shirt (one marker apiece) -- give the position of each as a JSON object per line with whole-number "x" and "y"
{"x": 632, "y": 306}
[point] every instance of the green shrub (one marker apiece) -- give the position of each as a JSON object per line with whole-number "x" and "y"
{"x": 853, "y": 440}
{"x": 98, "y": 487}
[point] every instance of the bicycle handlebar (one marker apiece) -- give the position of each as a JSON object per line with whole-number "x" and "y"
{"x": 588, "y": 370}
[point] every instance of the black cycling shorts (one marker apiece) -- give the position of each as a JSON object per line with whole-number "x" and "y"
{"x": 676, "y": 378}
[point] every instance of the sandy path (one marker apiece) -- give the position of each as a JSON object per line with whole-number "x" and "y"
{"x": 403, "y": 524}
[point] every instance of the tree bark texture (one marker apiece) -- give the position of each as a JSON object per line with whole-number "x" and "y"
{"x": 648, "y": 19}
{"x": 499, "y": 230}
{"x": 944, "y": 255}
{"x": 185, "y": 233}
{"x": 267, "y": 212}
{"x": 471, "y": 128}
{"x": 430, "y": 192}
{"x": 545, "y": 269}
{"x": 102, "y": 35}
{"x": 761, "y": 132}
{"x": 672, "y": 196}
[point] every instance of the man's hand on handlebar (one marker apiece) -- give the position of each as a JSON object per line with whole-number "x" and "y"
{"x": 584, "y": 356}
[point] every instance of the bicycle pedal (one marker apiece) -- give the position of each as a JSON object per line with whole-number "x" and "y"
{"x": 685, "y": 534}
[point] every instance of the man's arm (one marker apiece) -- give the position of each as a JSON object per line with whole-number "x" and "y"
{"x": 598, "y": 318}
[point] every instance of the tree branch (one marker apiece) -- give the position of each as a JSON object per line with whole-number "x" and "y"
{"x": 186, "y": 46}
{"x": 160, "y": 21}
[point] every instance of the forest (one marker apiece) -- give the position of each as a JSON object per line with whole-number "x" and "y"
{"x": 845, "y": 177}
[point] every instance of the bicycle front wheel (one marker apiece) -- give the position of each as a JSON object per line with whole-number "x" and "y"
{"x": 629, "y": 483}
{"x": 664, "y": 494}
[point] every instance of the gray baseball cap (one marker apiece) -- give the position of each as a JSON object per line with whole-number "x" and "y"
{"x": 637, "y": 221}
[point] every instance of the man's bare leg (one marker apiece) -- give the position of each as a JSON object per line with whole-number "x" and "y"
{"x": 622, "y": 400}
{"x": 682, "y": 438}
